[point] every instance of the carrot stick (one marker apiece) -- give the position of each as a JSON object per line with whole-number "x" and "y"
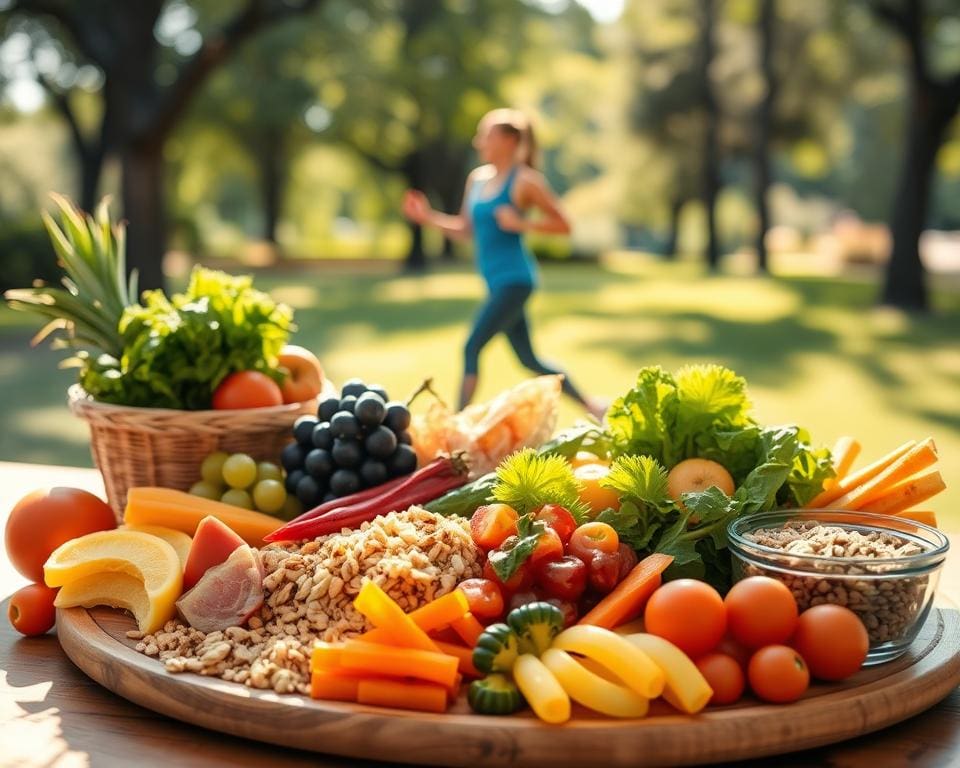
{"x": 845, "y": 452}
{"x": 423, "y": 697}
{"x": 381, "y": 609}
{"x": 924, "y": 516}
{"x": 386, "y": 661}
{"x": 630, "y": 595}
{"x": 468, "y": 628}
{"x": 861, "y": 476}
{"x": 907, "y": 493}
{"x": 329, "y": 684}
{"x": 436, "y": 614}
{"x": 464, "y": 656}
{"x": 917, "y": 458}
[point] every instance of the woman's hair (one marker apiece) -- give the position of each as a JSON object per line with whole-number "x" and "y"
{"x": 514, "y": 123}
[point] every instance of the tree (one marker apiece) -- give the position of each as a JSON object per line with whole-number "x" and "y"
{"x": 146, "y": 91}
{"x": 711, "y": 150}
{"x": 933, "y": 100}
{"x": 764, "y": 120}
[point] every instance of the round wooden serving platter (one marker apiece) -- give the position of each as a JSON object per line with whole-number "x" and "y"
{"x": 95, "y": 641}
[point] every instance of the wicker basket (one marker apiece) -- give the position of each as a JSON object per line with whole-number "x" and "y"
{"x": 160, "y": 446}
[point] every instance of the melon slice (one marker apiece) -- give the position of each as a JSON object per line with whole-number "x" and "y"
{"x": 116, "y": 590}
{"x": 227, "y": 594}
{"x": 212, "y": 544}
{"x": 179, "y": 540}
{"x": 148, "y": 559}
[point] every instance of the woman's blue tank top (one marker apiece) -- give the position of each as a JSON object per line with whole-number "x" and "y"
{"x": 502, "y": 257}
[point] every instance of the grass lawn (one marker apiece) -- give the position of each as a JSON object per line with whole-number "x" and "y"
{"x": 814, "y": 350}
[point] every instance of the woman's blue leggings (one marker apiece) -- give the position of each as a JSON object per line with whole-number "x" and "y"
{"x": 503, "y": 311}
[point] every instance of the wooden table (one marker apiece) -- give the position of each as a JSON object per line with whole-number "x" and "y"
{"x": 51, "y": 714}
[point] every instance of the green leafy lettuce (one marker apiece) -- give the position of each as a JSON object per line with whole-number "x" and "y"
{"x": 177, "y": 350}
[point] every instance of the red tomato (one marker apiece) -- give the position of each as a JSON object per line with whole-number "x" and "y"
{"x": 590, "y": 538}
{"x": 549, "y": 547}
{"x": 778, "y": 674}
{"x": 484, "y": 597}
{"x": 760, "y": 611}
{"x": 31, "y": 610}
{"x": 522, "y": 598}
{"x": 731, "y": 647}
{"x": 491, "y": 524}
{"x": 725, "y": 675}
{"x": 832, "y": 640}
{"x": 688, "y": 613}
{"x": 628, "y": 560}
{"x": 565, "y": 578}
{"x": 570, "y": 613}
{"x": 522, "y": 579}
{"x": 247, "y": 389}
{"x": 558, "y": 518}
{"x": 43, "y": 520}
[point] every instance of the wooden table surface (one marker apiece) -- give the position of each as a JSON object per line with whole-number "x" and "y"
{"x": 52, "y": 715}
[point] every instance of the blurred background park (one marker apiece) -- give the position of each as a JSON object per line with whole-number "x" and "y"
{"x": 769, "y": 184}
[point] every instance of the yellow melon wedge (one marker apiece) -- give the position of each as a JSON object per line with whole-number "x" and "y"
{"x": 148, "y": 559}
{"x": 179, "y": 540}
{"x": 116, "y": 590}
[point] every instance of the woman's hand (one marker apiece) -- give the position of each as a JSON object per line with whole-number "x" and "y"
{"x": 416, "y": 207}
{"x": 509, "y": 219}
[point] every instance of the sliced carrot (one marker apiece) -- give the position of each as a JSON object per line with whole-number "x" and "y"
{"x": 423, "y": 697}
{"x": 387, "y": 661}
{"x": 383, "y": 611}
{"x": 464, "y": 656}
{"x": 468, "y": 628}
{"x": 435, "y": 615}
{"x": 916, "y": 459}
{"x": 859, "y": 477}
{"x": 328, "y": 684}
{"x": 925, "y": 516}
{"x": 629, "y": 596}
{"x": 183, "y": 512}
{"x": 844, "y": 453}
{"x": 907, "y": 493}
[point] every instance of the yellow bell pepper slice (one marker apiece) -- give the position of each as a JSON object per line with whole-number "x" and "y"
{"x": 592, "y": 690}
{"x": 540, "y": 688}
{"x": 686, "y": 689}
{"x": 634, "y": 667}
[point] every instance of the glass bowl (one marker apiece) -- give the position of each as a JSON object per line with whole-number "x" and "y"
{"x": 892, "y": 595}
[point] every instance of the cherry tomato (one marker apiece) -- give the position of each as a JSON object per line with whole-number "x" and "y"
{"x": 628, "y": 560}
{"x": 484, "y": 597}
{"x": 521, "y": 579}
{"x": 778, "y": 674}
{"x": 731, "y": 647}
{"x": 592, "y": 493}
{"x": 590, "y": 538}
{"x": 832, "y": 640}
{"x": 725, "y": 675}
{"x": 688, "y": 613}
{"x": 570, "y": 613}
{"x": 760, "y": 611}
{"x": 247, "y": 389}
{"x": 549, "y": 547}
{"x": 565, "y": 578}
{"x": 558, "y": 518}
{"x": 523, "y": 598}
{"x": 491, "y": 524}
{"x": 603, "y": 571}
{"x": 31, "y": 610}
{"x": 43, "y": 520}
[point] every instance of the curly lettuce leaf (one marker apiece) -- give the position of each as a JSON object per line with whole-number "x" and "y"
{"x": 641, "y": 421}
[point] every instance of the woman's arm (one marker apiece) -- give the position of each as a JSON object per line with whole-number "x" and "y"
{"x": 533, "y": 191}
{"x": 417, "y": 208}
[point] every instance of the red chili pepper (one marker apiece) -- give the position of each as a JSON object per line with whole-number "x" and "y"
{"x": 426, "y": 484}
{"x": 348, "y": 501}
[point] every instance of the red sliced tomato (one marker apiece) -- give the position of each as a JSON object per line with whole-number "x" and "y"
{"x": 558, "y": 518}
{"x": 521, "y": 580}
{"x": 549, "y": 547}
{"x": 491, "y": 524}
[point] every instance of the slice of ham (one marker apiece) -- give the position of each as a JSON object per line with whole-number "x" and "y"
{"x": 226, "y": 595}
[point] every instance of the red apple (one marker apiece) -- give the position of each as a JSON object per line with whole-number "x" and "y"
{"x": 303, "y": 374}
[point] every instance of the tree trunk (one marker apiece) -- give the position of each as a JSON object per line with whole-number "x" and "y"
{"x": 272, "y": 162}
{"x": 711, "y": 152}
{"x": 416, "y": 260}
{"x": 928, "y": 116}
{"x": 91, "y": 168}
{"x": 763, "y": 130}
{"x": 143, "y": 206}
{"x": 673, "y": 233}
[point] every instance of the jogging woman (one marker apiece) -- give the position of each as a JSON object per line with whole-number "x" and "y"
{"x": 497, "y": 196}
